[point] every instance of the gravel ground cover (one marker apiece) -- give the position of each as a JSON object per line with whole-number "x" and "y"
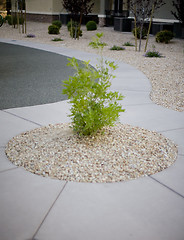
{"x": 123, "y": 152}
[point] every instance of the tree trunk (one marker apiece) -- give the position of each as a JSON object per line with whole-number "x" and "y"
{"x": 152, "y": 12}
{"x": 135, "y": 26}
{"x": 25, "y": 19}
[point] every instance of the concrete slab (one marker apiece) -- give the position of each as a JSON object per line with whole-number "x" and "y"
{"x": 141, "y": 209}
{"x": 5, "y": 164}
{"x": 11, "y": 126}
{"x": 152, "y": 117}
{"x": 25, "y": 199}
{"x": 173, "y": 176}
{"x": 177, "y": 136}
{"x": 44, "y": 114}
{"x": 135, "y": 98}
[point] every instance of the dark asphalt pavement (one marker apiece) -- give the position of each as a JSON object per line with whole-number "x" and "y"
{"x": 30, "y": 77}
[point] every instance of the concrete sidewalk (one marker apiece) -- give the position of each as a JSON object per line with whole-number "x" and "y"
{"x": 149, "y": 208}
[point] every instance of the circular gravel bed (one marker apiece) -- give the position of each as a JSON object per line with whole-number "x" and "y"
{"x": 122, "y": 153}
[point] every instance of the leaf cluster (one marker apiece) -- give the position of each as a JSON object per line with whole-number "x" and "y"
{"x": 93, "y": 105}
{"x": 78, "y": 6}
{"x": 97, "y": 43}
{"x": 117, "y": 48}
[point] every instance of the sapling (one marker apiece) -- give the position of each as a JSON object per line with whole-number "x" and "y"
{"x": 94, "y": 106}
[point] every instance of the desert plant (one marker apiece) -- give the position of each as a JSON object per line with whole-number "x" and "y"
{"x": 97, "y": 43}
{"x": 57, "y": 39}
{"x": 153, "y": 53}
{"x": 128, "y": 44}
{"x": 30, "y": 35}
{"x": 93, "y": 105}
{"x": 57, "y": 23}
{"x": 91, "y": 25}
{"x": 53, "y": 29}
{"x": 74, "y": 29}
{"x": 144, "y": 32}
{"x": 117, "y": 48}
{"x": 164, "y": 36}
{"x": 12, "y": 20}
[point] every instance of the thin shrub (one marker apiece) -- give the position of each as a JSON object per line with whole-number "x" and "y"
{"x": 97, "y": 43}
{"x": 57, "y": 40}
{"x": 153, "y": 53}
{"x": 144, "y": 32}
{"x": 93, "y": 105}
{"x": 13, "y": 20}
{"x": 128, "y": 44}
{"x": 74, "y": 29}
{"x": 117, "y": 48}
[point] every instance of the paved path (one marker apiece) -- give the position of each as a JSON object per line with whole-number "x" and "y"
{"x": 33, "y": 207}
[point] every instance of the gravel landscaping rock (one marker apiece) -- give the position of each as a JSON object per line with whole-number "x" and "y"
{"x": 122, "y": 153}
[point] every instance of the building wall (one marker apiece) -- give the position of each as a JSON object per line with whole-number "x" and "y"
{"x": 165, "y": 11}
{"x": 39, "y": 6}
{"x": 49, "y": 8}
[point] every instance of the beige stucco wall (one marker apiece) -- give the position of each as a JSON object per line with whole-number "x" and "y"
{"x": 2, "y": 5}
{"x": 39, "y": 6}
{"x": 57, "y": 6}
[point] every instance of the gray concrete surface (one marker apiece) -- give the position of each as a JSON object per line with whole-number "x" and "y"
{"x": 30, "y": 76}
{"x": 37, "y": 208}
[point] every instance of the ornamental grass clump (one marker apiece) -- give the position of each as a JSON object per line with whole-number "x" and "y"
{"x": 93, "y": 105}
{"x": 128, "y": 44}
{"x": 57, "y": 40}
{"x": 117, "y": 48}
{"x": 153, "y": 53}
{"x": 30, "y": 35}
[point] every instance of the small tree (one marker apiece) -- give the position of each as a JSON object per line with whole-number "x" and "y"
{"x": 94, "y": 106}
{"x": 155, "y": 5}
{"x": 78, "y": 8}
{"x": 179, "y": 14}
{"x": 143, "y": 9}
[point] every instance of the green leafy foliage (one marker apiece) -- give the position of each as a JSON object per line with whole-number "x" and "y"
{"x": 117, "y": 48}
{"x": 153, "y": 53}
{"x": 144, "y": 32}
{"x": 57, "y": 39}
{"x": 74, "y": 29}
{"x": 13, "y": 20}
{"x": 128, "y": 44}
{"x": 164, "y": 36}
{"x": 96, "y": 42}
{"x": 91, "y": 26}
{"x": 57, "y": 23}
{"x": 53, "y": 29}
{"x": 93, "y": 105}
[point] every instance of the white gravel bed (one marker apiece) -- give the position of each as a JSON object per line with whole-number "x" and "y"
{"x": 122, "y": 153}
{"x": 165, "y": 74}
